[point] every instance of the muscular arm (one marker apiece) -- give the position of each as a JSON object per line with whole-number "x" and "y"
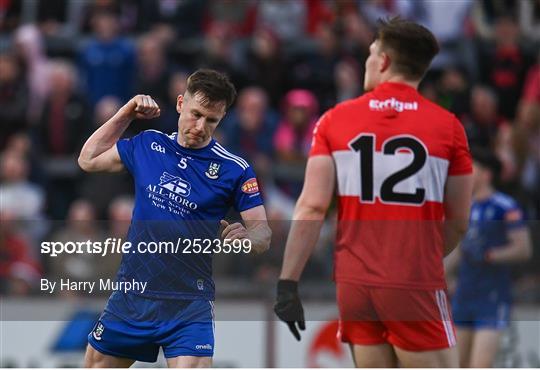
{"x": 457, "y": 206}
{"x": 99, "y": 153}
{"x": 518, "y": 249}
{"x": 309, "y": 215}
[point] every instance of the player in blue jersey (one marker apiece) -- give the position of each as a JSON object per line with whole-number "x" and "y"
{"x": 184, "y": 185}
{"x": 497, "y": 237}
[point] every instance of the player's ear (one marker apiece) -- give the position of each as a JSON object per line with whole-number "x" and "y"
{"x": 179, "y": 102}
{"x": 385, "y": 63}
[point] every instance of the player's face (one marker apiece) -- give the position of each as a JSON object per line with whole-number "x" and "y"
{"x": 197, "y": 121}
{"x": 374, "y": 62}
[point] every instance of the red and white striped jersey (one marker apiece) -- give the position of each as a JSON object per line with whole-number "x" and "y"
{"x": 393, "y": 151}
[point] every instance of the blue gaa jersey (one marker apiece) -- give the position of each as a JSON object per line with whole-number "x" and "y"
{"x": 491, "y": 221}
{"x": 180, "y": 193}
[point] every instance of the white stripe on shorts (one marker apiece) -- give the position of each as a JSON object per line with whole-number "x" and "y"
{"x": 212, "y": 308}
{"x": 440, "y": 296}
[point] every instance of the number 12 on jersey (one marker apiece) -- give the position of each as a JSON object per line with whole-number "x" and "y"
{"x": 364, "y": 144}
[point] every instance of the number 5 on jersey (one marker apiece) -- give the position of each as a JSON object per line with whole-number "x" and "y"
{"x": 364, "y": 144}
{"x": 183, "y": 163}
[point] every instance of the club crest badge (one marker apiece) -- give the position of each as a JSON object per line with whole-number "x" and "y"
{"x": 213, "y": 170}
{"x": 98, "y": 331}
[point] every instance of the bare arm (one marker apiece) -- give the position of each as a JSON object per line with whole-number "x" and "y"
{"x": 256, "y": 229}
{"x": 99, "y": 153}
{"x": 518, "y": 249}
{"x": 457, "y": 206}
{"x": 451, "y": 262}
{"x": 309, "y": 215}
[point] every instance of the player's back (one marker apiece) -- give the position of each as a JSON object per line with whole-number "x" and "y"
{"x": 393, "y": 151}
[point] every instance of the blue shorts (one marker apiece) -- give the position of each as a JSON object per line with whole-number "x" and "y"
{"x": 136, "y": 327}
{"x": 477, "y": 314}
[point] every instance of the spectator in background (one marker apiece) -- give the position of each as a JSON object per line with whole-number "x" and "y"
{"x": 13, "y": 98}
{"x": 250, "y": 127}
{"x": 373, "y": 10}
{"x": 10, "y": 15}
{"x": 529, "y": 19}
{"x": 153, "y": 78}
{"x": 356, "y": 35}
{"x": 81, "y": 226}
{"x": 485, "y": 13}
{"x": 20, "y": 198}
{"x": 530, "y": 97}
{"x": 30, "y": 53}
{"x": 51, "y": 14}
{"x": 265, "y": 65}
{"x": 288, "y": 18}
{"x": 119, "y": 214}
{"x": 483, "y": 121}
{"x": 218, "y": 53}
{"x": 134, "y": 16}
{"x": 153, "y": 70}
{"x": 529, "y": 126}
{"x": 107, "y": 62}
{"x": 347, "y": 80}
{"x": 238, "y": 16}
{"x": 504, "y": 65}
{"x": 292, "y": 139}
{"x": 19, "y": 269}
{"x": 452, "y": 35}
{"x": 21, "y": 145}
{"x": 453, "y": 91}
{"x": 65, "y": 120}
{"x": 312, "y": 70}
{"x": 168, "y": 120}
{"x": 108, "y": 185}
{"x": 183, "y": 19}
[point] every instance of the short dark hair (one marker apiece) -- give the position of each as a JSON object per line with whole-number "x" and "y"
{"x": 214, "y": 87}
{"x": 487, "y": 159}
{"x": 410, "y": 45}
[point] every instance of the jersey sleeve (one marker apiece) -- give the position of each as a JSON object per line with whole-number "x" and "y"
{"x": 247, "y": 193}
{"x": 460, "y": 158}
{"x": 127, "y": 148}
{"x": 319, "y": 143}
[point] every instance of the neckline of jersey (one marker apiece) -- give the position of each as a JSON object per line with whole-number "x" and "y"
{"x": 400, "y": 86}
{"x": 192, "y": 150}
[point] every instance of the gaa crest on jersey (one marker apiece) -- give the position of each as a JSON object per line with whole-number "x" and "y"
{"x": 98, "y": 331}
{"x": 212, "y": 171}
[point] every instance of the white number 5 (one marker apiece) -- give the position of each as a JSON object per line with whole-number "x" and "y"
{"x": 183, "y": 163}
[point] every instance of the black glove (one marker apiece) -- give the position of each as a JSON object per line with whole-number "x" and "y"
{"x": 288, "y": 306}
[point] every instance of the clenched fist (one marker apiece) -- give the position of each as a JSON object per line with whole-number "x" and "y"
{"x": 141, "y": 107}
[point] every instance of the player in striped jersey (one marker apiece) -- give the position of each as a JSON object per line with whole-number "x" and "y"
{"x": 402, "y": 167}
{"x": 184, "y": 185}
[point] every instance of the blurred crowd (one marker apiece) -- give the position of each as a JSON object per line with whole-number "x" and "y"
{"x": 67, "y": 66}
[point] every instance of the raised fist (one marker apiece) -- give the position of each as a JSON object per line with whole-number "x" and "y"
{"x": 142, "y": 107}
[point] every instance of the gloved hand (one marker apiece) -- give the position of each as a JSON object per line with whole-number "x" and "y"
{"x": 288, "y": 306}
